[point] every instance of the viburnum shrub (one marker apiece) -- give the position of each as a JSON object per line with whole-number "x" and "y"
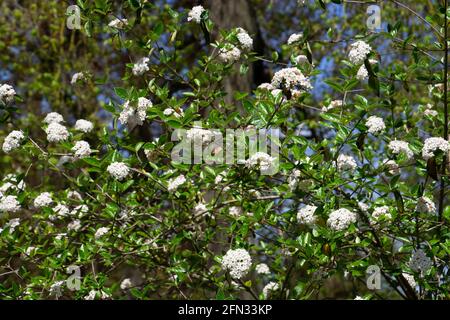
{"x": 94, "y": 206}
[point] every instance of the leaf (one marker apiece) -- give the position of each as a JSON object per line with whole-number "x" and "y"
{"x": 399, "y": 200}
{"x": 374, "y": 83}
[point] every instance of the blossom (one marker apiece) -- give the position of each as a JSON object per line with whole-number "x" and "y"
{"x": 363, "y": 206}
{"x": 118, "y": 23}
{"x": 262, "y": 268}
{"x": 170, "y": 112}
{"x": 261, "y": 159}
{"x": 200, "y": 208}
{"x": 132, "y": 115}
{"x": 359, "y": 298}
{"x": 94, "y": 293}
{"x": 174, "y": 183}
{"x": 229, "y": 54}
{"x": 425, "y": 205}
{"x": 333, "y": 104}
{"x": 382, "y": 211}
{"x": 141, "y": 66}
{"x": 56, "y": 132}
{"x": 53, "y": 117}
{"x": 341, "y": 219}
{"x": 79, "y": 76}
{"x": 359, "y": 51}
{"x": 419, "y": 261}
{"x": 11, "y": 224}
{"x": 61, "y": 210}
{"x": 9, "y": 204}
{"x": 291, "y": 78}
{"x": 244, "y": 39}
{"x": 306, "y": 215}
{"x": 80, "y": 210}
{"x": 12, "y": 141}
{"x": 237, "y": 262}
{"x": 375, "y": 125}
{"x": 362, "y": 73}
{"x": 235, "y": 211}
{"x": 118, "y": 170}
{"x": 74, "y": 225}
{"x": 434, "y": 144}
{"x": 7, "y": 93}
{"x": 295, "y": 37}
{"x": 301, "y": 59}
{"x": 200, "y": 134}
{"x": 101, "y": 232}
{"x": 345, "y": 163}
{"x": 43, "y": 200}
{"x": 392, "y": 166}
{"x": 11, "y": 182}
{"x": 72, "y": 194}
{"x": 196, "y": 14}
{"x": 81, "y": 149}
{"x": 269, "y": 288}
{"x": 126, "y": 284}
{"x": 398, "y": 146}
{"x": 84, "y": 126}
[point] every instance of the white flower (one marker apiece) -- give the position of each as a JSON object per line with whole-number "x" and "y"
{"x": 235, "y": 211}
{"x": 72, "y": 194}
{"x": 84, "y": 126}
{"x": 80, "y": 210}
{"x": 170, "y": 112}
{"x": 53, "y": 117}
{"x": 200, "y": 134}
{"x": 301, "y": 60}
{"x": 362, "y": 73}
{"x": 11, "y": 224}
{"x": 56, "y": 132}
{"x": 345, "y": 162}
{"x": 118, "y": 170}
{"x": 262, "y": 268}
{"x": 269, "y": 288}
{"x": 244, "y": 39}
{"x": 7, "y": 93}
{"x": 392, "y": 166}
{"x": 341, "y": 219}
{"x": 434, "y": 144}
{"x": 101, "y": 232}
{"x": 397, "y": 147}
{"x": 196, "y": 14}
{"x": 91, "y": 296}
{"x": 375, "y": 125}
{"x": 429, "y": 111}
{"x": 133, "y": 116}
{"x": 293, "y": 38}
{"x": 261, "y": 159}
{"x": 359, "y": 51}
{"x": 74, "y": 225}
{"x": 79, "y": 76}
{"x": 291, "y": 78}
{"x": 333, "y": 104}
{"x": 229, "y": 54}
{"x": 43, "y": 200}
{"x": 381, "y": 211}
{"x": 118, "y": 23}
{"x": 9, "y": 204}
{"x": 363, "y": 206}
{"x": 306, "y": 215}
{"x": 174, "y": 183}
{"x": 200, "y": 208}
{"x": 12, "y": 183}
{"x": 141, "y": 66}
{"x": 126, "y": 284}
{"x": 12, "y": 141}
{"x": 359, "y": 298}
{"x": 237, "y": 262}
{"x": 82, "y": 149}
{"x": 61, "y": 210}
{"x": 410, "y": 279}
{"x": 420, "y": 262}
{"x": 266, "y": 86}
{"x": 425, "y": 205}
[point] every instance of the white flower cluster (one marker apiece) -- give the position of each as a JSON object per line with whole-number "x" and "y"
{"x": 101, "y": 232}
{"x": 53, "y": 117}
{"x": 133, "y": 116}
{"x": 291, "y": 78}
{"x": 346, "y": 163}
{"x": 141, "y": 66}
{"x": 392, "y": 166}
{"x": 333, "y": 104}
{"x": 126, "y": 284}
{"x": 244, "y": 39}
{"x": 13, "y": 141}
{"x": 56, "y": 132}
{"x": 382, "y": 211}
{"x": 420, "y": 262}
{"x": 174, "y": 183}
{"x": 200, "y": 134}
{"x": 196, "y": 14}
{"x": 425, "y": 205}
{"x": 84, "y": 126}
{"x": 359, "y": 51}
{"x": 7, "y": 93}
{"x": 362, "y": 73}
{"x": 118, "y": 23}
{"x": 375, "y": 125}
{"x": 269, "y": 87}
{"x": 200, "y": 208}
{"x": 235, "y": 211}
{"x": 82, "y": 149}
{"x": 398, "y": 146}
{"x": 434, "y": 144}
{"x": 9, "y": 204}
{"x": 341, "y": 219}
{"x": 74, "y": 225}
{"x": 12, "y": 183}
{"x": 306, "y": 215}
{"x": 261, "y": 159}
{"x": 229, "y": 53}
{"x": 237, "y": 262}
{"x": 61, "y": 210}
{"x": 269, "y": 288}
{"x": 118, "y": 170}
{"x": 429, "y": 111}
{"x": 43, "y": 200}
{"x": 262, "y": 268}
{"x": 301, "y": 60}
{"x": 294, "y": 38}
{"x": 79, "y": 76}
{"x": 171, "y": 112}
